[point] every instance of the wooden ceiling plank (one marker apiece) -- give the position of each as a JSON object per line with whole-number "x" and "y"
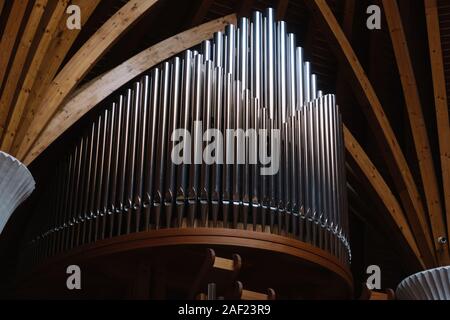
{"x": 57, "y": 52}
{"x": 440, "y": 96}
{"x": 418, "y": 127}
{"x": 380, "y": 126}
{"x": 31, "y": 73}
{"x": 7, "y": 45}
{"x": 91, "y": 94}
{"x": 374, "y": 178}
{"x": 80, "y": 64}
{"x": 21, "y": 56}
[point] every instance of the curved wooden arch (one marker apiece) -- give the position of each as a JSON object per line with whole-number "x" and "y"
{"x": 57, "y": 52}
{"x": 31, "y": 29}
{"x": 98, "y": 89}
{"x": 80, "y": 64}
{"x": 30, "y": 78}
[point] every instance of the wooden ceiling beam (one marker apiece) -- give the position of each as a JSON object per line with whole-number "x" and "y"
{"x": 7, "y": 45}
{"x": 380, "y": 126}
{"x": 383, "y": 192}
{"x": 440, "y": 96}
{"x": 80, "y": 64}
{"x": 21, "y": 55}
{"x": 418, "y": 127}
{"x": 57, "y": 52}
{"x": 30, "y": 77}
{"x": 91, "y": 94}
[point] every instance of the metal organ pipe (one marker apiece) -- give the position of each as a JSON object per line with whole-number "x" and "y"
{"x": 120, "y": 178}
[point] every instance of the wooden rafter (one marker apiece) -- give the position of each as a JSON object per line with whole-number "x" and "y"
{"x": 376, "y": 181}
{"x": 6, "y": 47}
{"x": 418, "y": 127}
{"x": 380, "y": 126}
{"x": 22, "y": 51}
{"x": 440, "y": 96}
{"x": 80, "y": 64}
{"x": 55, "y": 56}
{"x": 98, "y": 89}
{"x": 30, "y": 77}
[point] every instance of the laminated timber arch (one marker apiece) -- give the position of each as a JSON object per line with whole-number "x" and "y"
{"x": 74, "y": 71}
{"x": 98, "y": 89}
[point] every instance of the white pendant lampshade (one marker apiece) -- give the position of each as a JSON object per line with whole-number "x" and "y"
{"x": 16, "y": 184}
{"x": 427, "y": 285}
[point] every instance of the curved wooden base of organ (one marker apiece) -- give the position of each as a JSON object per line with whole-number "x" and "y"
{"x": 164, "y": 263}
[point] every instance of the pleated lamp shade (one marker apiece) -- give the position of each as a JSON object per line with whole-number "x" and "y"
{"x": 16, "y": 184}
{"x": 431, "y": 284}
